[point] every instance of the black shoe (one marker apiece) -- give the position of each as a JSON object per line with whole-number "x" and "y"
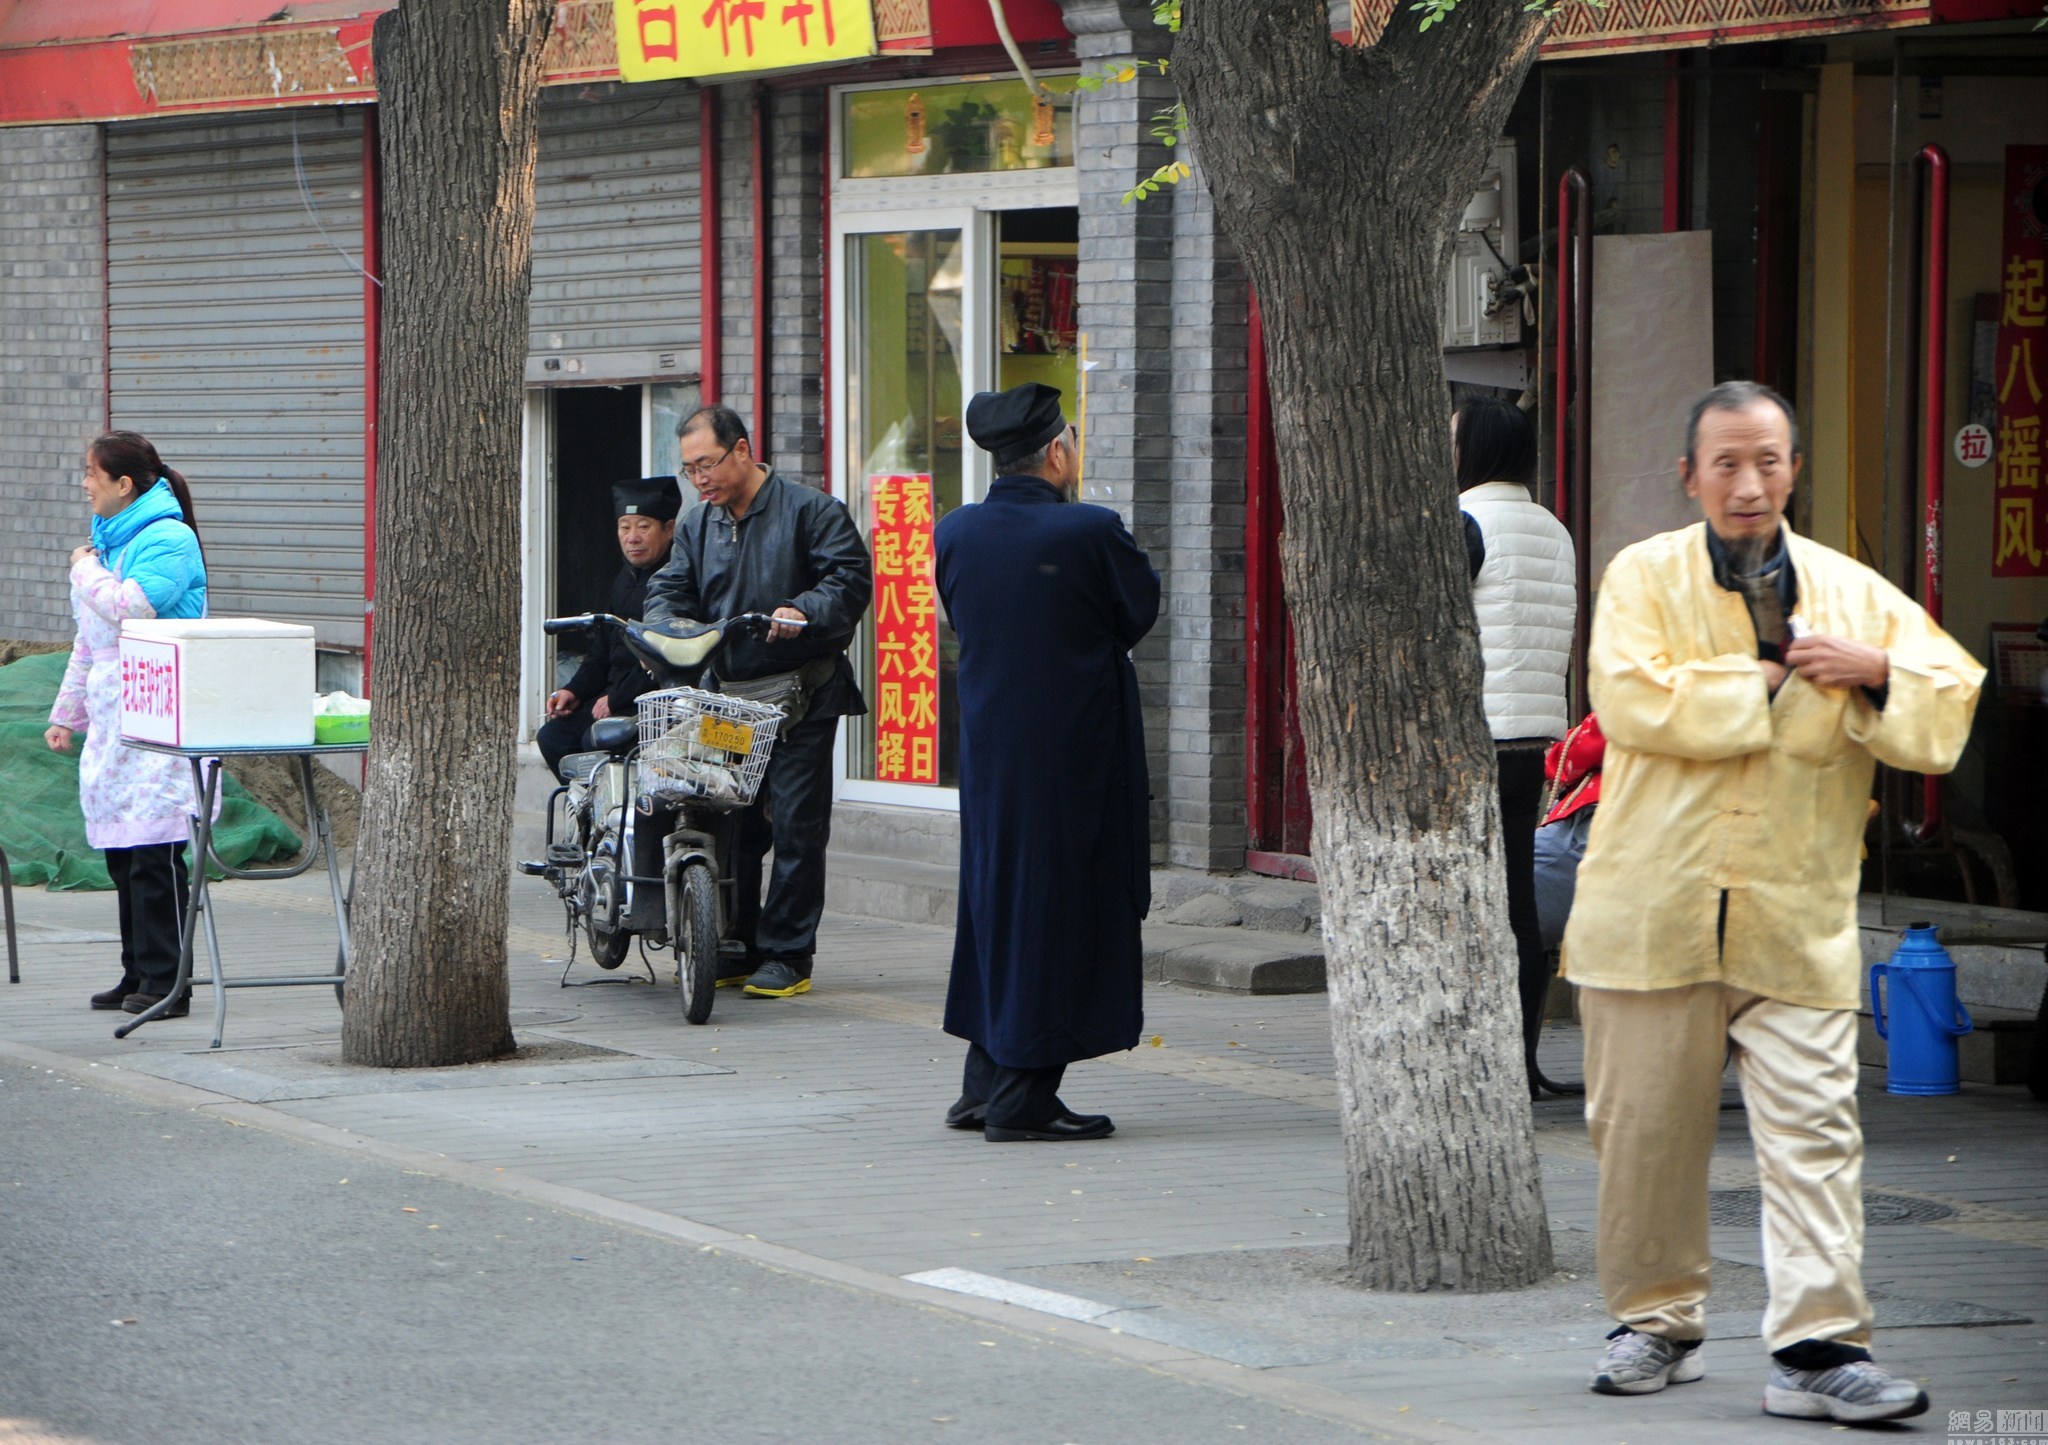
{"x": 967, "y": 1114}
{"x": 113, "y": 997}
{"x": 138, "y": 1003}
{"x": 778, "y": 978}
{"x": 735, "y": 968}
{"x": 1061, "y": 1128}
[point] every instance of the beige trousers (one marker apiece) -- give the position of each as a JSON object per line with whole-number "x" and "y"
{"x": 1654, "y": 1061}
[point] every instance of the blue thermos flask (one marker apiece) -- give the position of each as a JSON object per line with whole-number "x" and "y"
{"x": 1918, "y": 1015}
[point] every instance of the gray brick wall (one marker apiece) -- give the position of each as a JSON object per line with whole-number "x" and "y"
{"x": 796, "y": 284}
{"x": 52, "y": 363}
{"x": 1205, "y": 596}
{"x": 791, "y": 433}
{"x": 1126, "y": 304}
{"x": 736, "y": 247}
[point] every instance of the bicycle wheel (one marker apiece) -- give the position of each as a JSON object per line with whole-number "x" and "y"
{"x": 600, "y": 899}
{"x": 697, "y": 941}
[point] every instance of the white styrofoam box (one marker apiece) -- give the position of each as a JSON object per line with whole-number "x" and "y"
{"x": 217, "y": 682}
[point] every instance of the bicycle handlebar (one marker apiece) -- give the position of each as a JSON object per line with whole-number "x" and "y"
{"x": 555, "y": 626}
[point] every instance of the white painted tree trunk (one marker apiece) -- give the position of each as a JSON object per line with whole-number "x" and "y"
{"x": 1339, "y": 174}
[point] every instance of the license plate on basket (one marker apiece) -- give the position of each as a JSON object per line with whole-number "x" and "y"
{"x": 733, "y": 737}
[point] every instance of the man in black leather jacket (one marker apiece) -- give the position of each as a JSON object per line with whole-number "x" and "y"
{"x": 761, "y": 542}
{"x": 611, "y": 679}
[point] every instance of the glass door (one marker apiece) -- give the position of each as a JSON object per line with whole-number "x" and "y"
{"x": 915, "y": 309}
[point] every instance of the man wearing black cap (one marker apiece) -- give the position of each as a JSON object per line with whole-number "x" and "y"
{"x": 611, "y": 679}
{"x": 1055, "y": 853}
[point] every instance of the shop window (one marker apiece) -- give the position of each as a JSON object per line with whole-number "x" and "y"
{"x": 958, "y": 129}
{"x": 668, "y": 403}
{"x": 1037, "y": 334}
{"x": 905, "y": 392}
{"x": 932, "y": 316}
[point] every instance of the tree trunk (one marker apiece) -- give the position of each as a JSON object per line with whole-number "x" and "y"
{"x": 459, "y": 90}
{"x": 1339, "y": 173}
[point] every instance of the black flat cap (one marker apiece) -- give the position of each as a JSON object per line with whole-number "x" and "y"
{"x": 656, "y": 497}
{"x": 1016, "y": 422}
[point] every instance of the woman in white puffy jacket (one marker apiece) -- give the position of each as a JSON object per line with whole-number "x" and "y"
{"x": 143, "y": 561}
{"x": 1524, "y": 589}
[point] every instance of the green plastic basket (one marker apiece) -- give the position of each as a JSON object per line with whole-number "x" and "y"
{"x": 344, "y": 729}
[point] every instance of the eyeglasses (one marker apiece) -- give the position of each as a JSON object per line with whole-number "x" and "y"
{"x": 705, "y": 469}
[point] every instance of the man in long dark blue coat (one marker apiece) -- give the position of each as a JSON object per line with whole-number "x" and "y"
{"x": 1048, "y": 597}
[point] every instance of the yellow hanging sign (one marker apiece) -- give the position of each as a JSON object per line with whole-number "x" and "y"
{"x": 687, "y": 39}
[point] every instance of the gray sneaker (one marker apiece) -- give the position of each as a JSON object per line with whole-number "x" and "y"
{"x": 1855, "y": 1393}
{"x": 1639, "y": 1364}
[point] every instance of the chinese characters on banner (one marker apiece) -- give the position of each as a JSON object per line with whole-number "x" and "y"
{"x": 2020, "y": 532}
{"x": 684, "y": 39}
{"x": 906, "y": 623}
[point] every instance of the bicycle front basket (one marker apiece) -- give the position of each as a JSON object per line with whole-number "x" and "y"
{"x": 705, "y": 747}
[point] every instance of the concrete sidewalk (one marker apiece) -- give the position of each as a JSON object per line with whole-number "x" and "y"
{"x": 1201, "y": 1239}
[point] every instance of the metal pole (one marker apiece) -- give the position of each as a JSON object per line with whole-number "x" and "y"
{"x": 1573, "y": 403}
{"x": 7, "y": 901}
{"x": 1930, "y": 180}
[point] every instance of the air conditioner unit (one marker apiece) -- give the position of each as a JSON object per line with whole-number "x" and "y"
{"x": 1481, "y": 308}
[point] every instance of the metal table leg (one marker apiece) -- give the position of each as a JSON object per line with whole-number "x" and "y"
{"x": 323, "y": 839}
{"x": 7, "y": 900}
{"x": 205, "y": 784}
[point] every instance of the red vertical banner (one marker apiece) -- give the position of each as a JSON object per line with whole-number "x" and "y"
{"x": 906, "y": 627}
{"x": 2020, "y": 534}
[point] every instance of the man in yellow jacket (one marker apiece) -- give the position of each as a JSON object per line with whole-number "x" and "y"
{"x": 1749, "y": 681}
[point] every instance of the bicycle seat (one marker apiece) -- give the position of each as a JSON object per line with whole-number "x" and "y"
{"x": 615, "y": 735}
{"x": 673, "y": 652}
{"x": 677, "y": 644}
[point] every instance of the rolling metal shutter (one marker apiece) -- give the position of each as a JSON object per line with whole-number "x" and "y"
{"x": 615, "y": 236}
{"x": 235, "y": 335}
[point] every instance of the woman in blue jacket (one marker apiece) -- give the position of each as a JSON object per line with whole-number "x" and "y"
{"x": 143, "y": 561}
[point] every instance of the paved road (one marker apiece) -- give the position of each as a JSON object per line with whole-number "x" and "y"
{"x": 804, "y": 1135}
{"x": 277, "y": 1290}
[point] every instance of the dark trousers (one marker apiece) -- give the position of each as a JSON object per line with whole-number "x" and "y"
{"x": 150, "y": 889}
{"x": 1521, "y": 798}
{"x": 1014, "y": 1098}
{"x": 1520, "y": 803}
{"x": 561, "y": 736}
{"x": 792, "y": 814}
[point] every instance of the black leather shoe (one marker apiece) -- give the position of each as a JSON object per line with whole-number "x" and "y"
{"x": 1060, "y": 1129}
{"x": 113, "y": 997}
{"x": 138, "y": 1003}
{"x": 967, "y": 1114}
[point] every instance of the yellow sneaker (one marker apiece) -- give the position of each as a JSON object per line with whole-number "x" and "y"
{"x": 777, "y": 979}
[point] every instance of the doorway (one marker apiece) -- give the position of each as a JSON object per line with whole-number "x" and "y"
{"x": 597, "y": 441}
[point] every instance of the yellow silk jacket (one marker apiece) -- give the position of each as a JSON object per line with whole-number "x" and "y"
{"x": 1713, "y": 789}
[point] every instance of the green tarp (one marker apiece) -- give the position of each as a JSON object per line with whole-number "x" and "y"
{"x": 40, "y": 824}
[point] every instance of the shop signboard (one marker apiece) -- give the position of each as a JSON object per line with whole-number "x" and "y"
{"x": 2020, "y": 535}
{"x": 1612, "y": 27}
{"x": 906, "y": 624}
{"x": 688, "y": 39}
